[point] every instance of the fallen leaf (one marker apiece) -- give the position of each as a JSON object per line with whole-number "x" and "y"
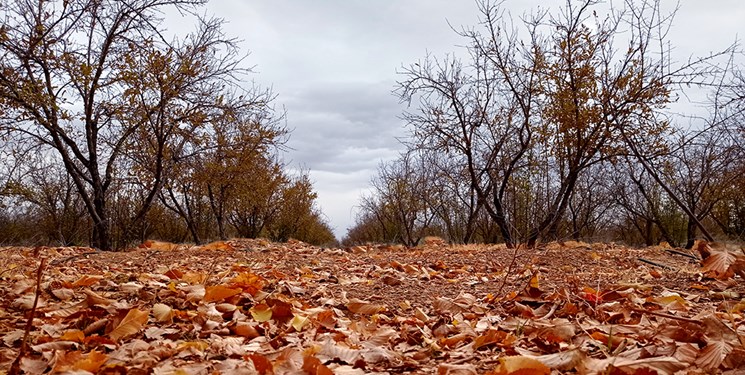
{"x": 162, "y": 313}
{"x": 358, "y": 306}
{"x": 448, "y": 369}
{"x": 261, "y": 312}
{"x": 519, "y": 365}
{"x": 313, "y": 366}
{"x": 131, "y": 324}
{"x": 219, "y": 293}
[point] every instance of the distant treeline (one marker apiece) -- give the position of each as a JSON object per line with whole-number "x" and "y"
{"x": 560, "y": 126}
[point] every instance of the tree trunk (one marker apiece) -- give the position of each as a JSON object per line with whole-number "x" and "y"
{"x": 101, "y": 230}
{"x": 691, "y": 233}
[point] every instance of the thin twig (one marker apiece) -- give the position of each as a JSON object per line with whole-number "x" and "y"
{"x": 63, "y": 260}
{"x": 672, "y": 251}
{"x": 664, "y": 266}
{"x": 508, "y": 272}
{"x": 15, "y": 368}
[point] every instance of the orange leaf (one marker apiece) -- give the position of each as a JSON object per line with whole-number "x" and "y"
{"x": 249, "y": 282}
{"x": 76, "y": 361}
{"x": 174, "y": 274}
{"x": 262, "y": 365}
{"x": 72, "y": 335}
{"x": 591, "y": 295}
{"x": 219, "y": 245}
{"x": 326, "y": 319}
{"x": 313, "y": 366}
{"x": 86, "y": 281}
{"x": 91, "y": 362}
{"x": 246, "y": 330}
{"x": 534, "y": 281}
{"x": 219, "y": 293}
{"x": 519, "y": 365}
{"x": 489, "y": 337}
{"x": 131, "y": 324}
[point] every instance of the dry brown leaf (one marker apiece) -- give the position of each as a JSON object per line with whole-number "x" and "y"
{"x": 713, "y": 354}
{"x": 359, "y": 306}
{"x": 246, "y": 330}
{"x": 686, "y": 352}
{"x": 446, "y": 305}
{"x": 448, "y": 369}
{"x": 719, "y": 264}
{"x": 662, "y": 365}
{"x": 564, "y": 361}
{"x": 93, "y": 299}
{"x": 34, "y": 366}
{"x": 335, "y": 351}
{"x": 131, "y": 324}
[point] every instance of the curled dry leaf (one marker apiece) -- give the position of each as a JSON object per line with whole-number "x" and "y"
{"x": 162, "y": 313}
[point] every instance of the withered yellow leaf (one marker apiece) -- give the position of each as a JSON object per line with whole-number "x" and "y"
{"x": 131, "y": 324}
{"x": 672, "y": 302}
{"x": 261, "y": 312}
{"x": 299, "y": 322}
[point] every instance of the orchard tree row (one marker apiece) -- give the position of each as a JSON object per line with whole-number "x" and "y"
{"x": 114, "y": 131}
{"x": 566, "y": 125}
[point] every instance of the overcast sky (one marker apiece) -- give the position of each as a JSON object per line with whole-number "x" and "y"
{"x": 333, "y": 64}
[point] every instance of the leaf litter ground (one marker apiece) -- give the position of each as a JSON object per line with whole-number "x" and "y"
{"x": 250, "y": 306}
